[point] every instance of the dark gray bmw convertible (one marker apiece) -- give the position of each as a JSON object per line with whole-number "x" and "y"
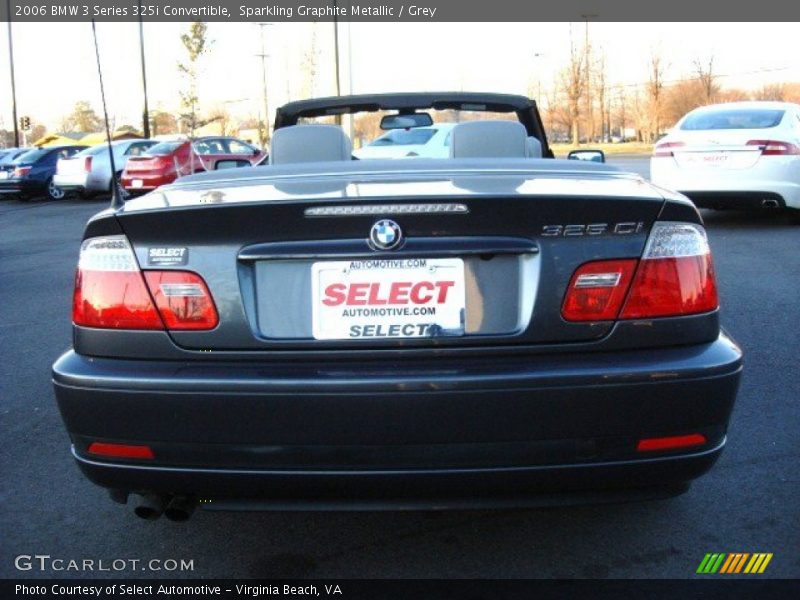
{"x": 497, "y": 328}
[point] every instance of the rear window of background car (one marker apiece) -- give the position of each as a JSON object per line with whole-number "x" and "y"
{"x": 31, "y": 156}
{"x": 405, "y": 137}
{"x": 732, "y": 119}
{"x": 163, "y": 148}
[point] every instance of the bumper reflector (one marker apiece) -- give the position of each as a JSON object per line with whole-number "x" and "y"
{"x": 120, "y": 450}
{"x": 670, "y": 443}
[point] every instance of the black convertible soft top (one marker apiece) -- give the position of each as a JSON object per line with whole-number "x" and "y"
{"x": 525, "y": 108}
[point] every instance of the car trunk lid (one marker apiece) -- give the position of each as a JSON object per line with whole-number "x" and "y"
{"x": 503, "y": 249}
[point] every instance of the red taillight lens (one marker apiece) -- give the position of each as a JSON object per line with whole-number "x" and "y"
{"x": 775, "y": 147}
{"x": 109, "y": 289}
{"x": 182, "y": 299}
{"x": 670, "y": 443}
{"x": 121, "y": 450}
{"x": 597, "y": 290}
{"x": 20, "y": 172}
{"x": 111, "y": 292}
{"x": 113, "y": 300}
{"x": 675, "y": 275}
{"x": 666, "y": 148}
{"x": 87, "y": 164}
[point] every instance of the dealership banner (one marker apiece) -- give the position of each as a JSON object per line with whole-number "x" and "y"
{"x": 398, "y": 10}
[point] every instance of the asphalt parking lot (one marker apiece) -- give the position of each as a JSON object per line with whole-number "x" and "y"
{"x": 747, "y": 503}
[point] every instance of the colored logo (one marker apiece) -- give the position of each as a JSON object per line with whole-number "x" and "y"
{"x": 385, "y": 235}
{"x": 736, "y": 562}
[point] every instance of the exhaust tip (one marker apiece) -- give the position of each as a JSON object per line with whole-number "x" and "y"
{"x": 149, "y": 507}
{"x": 180, "y": 509}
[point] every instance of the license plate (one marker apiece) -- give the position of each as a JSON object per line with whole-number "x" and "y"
{"x": 388, "y": 298}
{"x": 137, "y": 183}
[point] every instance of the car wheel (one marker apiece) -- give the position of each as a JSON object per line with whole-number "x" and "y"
{"x": 53, "y": 191}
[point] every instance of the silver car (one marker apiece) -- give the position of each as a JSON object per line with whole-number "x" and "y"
{"x": 89, "y": 171}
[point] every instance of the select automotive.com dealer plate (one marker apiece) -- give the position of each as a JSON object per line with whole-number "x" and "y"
{"x": 387, "y": 298}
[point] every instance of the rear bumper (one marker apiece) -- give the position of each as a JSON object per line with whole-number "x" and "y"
{"x": 736, "y": 200}
{"x": 81, "y": 181}
{"x": 397, "y": 434}
{"x": 736, "y": 188}
{"x": 149, "y": 181}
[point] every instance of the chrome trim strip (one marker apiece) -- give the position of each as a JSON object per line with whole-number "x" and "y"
{"x": 352, "y": 210}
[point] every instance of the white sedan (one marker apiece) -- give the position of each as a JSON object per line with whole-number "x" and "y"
{"x": 735, "y": 155}
{"x": 432, "y": 141}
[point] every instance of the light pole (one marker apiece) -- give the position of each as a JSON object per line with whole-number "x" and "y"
{"x": 13, "y": 84}
{"x": 145, "y": 111}
{"x": 264, "y": 57}
{"x": 538, "y": 55}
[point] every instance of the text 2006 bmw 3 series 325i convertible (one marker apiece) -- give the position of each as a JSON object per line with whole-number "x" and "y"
{"x": 490, "y": 329}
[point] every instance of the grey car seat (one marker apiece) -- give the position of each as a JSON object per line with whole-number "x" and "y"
{"x": 309, "y": 143}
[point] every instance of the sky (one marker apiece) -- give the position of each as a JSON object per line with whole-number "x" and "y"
{"x": 55, "y": 64}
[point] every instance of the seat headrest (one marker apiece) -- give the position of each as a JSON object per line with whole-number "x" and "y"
{"x": 309, "y": 143}
{"x": 534, "y": 147}
{"x": 489, "y": 139}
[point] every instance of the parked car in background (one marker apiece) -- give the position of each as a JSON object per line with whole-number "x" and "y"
{"x": 89, "y": 171}
{"x": 735, "y": 155}
{"x": 424, "y": 142}
{"x": 9, "y": 154}
{"x": 166, "y": 161}
{"x": 31, "y": 173}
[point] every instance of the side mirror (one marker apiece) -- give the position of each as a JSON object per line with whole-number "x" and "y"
{"x": 590, "y": 155}
{"x": 231, "y": 164}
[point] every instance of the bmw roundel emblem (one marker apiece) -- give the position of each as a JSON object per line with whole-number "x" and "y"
{"x": 385, "y": 235}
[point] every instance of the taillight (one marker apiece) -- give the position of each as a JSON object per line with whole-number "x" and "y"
{"x": 666, "y": 148}
{"x": 20, "y": 172}
{"x": 182, "y": 299}
{"x": 109, "y": 288}
{"x": 597, "y": 290}
{"x": 675, "y": 275}
{"x": 775, "y": 147}
{"x": 111, "y": 292}
{"x": 87, "y": 164}
{"x": 673, "y": 442}
{"x": 121, "y": 450}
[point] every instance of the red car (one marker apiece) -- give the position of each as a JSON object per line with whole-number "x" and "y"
{"x": 166, "y": 161}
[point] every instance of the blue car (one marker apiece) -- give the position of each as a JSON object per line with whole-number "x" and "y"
{"x": 31, "y": 173}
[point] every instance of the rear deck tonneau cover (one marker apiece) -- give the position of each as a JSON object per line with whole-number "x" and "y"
{"x": 408, "y": 179}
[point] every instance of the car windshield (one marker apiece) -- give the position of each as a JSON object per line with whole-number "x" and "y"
{"x": 405, "y": 137}
{"x": 163, "y": 148}
{"x": 759, "y": 118}
{"x": 31, "y": 156}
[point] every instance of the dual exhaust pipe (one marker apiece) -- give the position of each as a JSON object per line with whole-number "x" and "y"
{"x": 151, "y": 506}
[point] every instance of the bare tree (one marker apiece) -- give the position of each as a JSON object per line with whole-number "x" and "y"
{"x": 573, "y": 80}
{"x": 602, "y": 94}
{"x": 655, "y": 87}
{"x": 706, "y": 78}
{"x": 622, "y": 103}
{"x": 771, "y": 91}
{"x": 309, "y": 65}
